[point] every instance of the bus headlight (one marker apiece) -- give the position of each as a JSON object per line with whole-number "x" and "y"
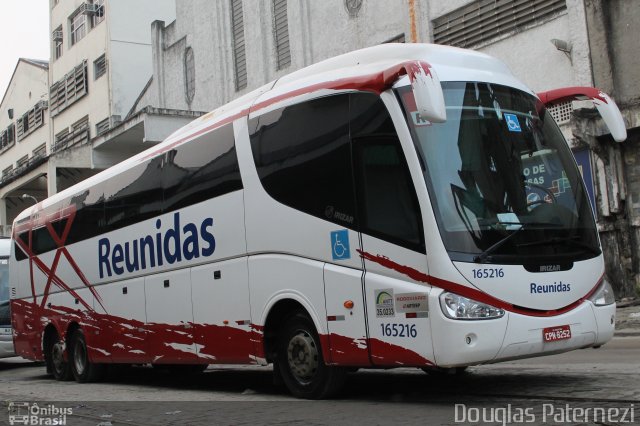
{"x": 604, "y": 294}
{"x": 462, "y": 308}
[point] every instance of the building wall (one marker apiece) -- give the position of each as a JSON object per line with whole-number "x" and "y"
{"x": 129, "y": 47}
{"x": 27, "y": 87}
{"x": 124, "y": 38}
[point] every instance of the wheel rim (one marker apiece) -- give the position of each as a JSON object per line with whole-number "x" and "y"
{"x": 302, "y": 354}
{"x": 57, "y": 356}
{"x": 79, "y": 357}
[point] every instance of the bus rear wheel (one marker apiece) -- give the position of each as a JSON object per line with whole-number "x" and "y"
{"x": 300, "y": 361}
{"x": 55, "y": 359}
{"x": 84, "y": 371}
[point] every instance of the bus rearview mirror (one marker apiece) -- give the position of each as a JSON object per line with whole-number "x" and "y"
{"x": 428, "y": 94}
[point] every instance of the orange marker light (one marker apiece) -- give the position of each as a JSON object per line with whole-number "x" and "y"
{"x": 348, "y": 304}
{"x": 225, "y": 322}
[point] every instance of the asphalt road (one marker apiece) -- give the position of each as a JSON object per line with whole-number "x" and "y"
{"x": 550, "y": 390}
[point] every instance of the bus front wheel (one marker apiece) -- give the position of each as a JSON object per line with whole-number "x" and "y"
{"x": 300, "y": 361}
{"x": 83, "y": 370}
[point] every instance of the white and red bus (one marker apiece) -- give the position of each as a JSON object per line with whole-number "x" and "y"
{"x": 398, "y": 206}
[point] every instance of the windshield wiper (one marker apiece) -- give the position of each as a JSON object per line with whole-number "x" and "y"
{"x": 567, "y": 240}
{"x": 483, "y": 256}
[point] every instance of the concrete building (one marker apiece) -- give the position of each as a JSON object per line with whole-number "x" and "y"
{"x": 24, "y": 132}
{"x": 216, "y": 51}
{"x": 100, "y": 63}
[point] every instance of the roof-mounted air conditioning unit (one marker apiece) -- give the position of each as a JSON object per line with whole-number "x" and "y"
{"x": 88, "y": 8}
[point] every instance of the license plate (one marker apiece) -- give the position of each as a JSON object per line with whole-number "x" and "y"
{"x": 553, "y": 334}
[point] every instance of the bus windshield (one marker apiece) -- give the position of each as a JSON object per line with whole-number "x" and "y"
{"x": 502, "y": 180}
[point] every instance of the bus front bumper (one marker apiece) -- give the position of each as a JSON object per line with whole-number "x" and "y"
{"x": 517, "y": 336}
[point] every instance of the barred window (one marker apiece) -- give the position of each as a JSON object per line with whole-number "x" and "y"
{"x": 78, "y": 27}
{"x": 98, "y": 15}
{"x": 239, "y": 56}
{"x": 31, "y": 120}
{"x": 69, "y": 89}
{"x": 484, "y": 21}
{"x": 99, "y": 67}
{"x": 281, "y": 34}
{"x": 40, "y": 151}
{"x": 7, "y": 137}
{"x": 57, "y": 37}
{"x": 76, "y": 134}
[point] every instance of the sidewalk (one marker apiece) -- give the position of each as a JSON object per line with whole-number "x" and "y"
{"x": 628, "y": 318}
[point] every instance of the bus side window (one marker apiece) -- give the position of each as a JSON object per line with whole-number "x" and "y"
{"x": 387, "y": 203}
{"x": 201, "y": 169}
{"x": 303, "y": 157}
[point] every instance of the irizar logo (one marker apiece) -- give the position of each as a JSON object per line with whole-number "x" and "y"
{"x": 550, "y": 268}
{"x": 173, "y": 245}
{"x": 556, "y": 287}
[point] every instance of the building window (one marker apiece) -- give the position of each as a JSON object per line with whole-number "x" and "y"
{"x": 40, "y": 151}
{"x": 103, "y": 126}
{"x": 57, "y": 38}
{"x": 7, "y": 137}
{"x": 22, "y": 161}
{"x": 484, "y": 21}
{"x": 189, "y": 74}
{"x": 98, "y": 14}
{"x": 31, "y": 120}
{"x": 99, "y": 67}
{"x": 69, "y": 89}
{"x": 6, "y": 172}
{"x": 78, "y": 28}
{"x": 239, "y": 57}
{"x": 77, "y": 133}
{"x": 281, "y": 34}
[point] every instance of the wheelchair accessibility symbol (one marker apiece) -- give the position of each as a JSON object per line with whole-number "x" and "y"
{"x": 512, "y": 122}
{"x": 340, "y": 245}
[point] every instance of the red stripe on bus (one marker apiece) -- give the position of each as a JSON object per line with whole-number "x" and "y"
{"x": 471, "y": 292}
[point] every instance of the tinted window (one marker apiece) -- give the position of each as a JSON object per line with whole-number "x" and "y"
{"x": 302, "y": 154}
{"x": 204, "y": 168}
{"x": 43, "y": 241}
{"x": 89, "y": 220}
{"x": 387, "y": 202}
{"x": 133, "y": 195}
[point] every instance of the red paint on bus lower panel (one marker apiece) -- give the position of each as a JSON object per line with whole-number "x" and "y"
{"x": 115, "y": 339}
{"x": 349, "y": 351}
{"x": 112, "y": 339}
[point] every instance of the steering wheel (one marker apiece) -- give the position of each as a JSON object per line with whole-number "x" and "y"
{"x": 540, "y": 200}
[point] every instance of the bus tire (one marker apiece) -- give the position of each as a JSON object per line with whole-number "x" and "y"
{"x": 300, "y": 361}
{"x": 56, "y": 362}
{"x": 84, "y": 371}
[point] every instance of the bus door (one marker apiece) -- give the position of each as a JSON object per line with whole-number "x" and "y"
{"x": 393, "y": 246}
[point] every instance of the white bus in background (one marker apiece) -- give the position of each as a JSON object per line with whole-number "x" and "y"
{"x": 6, "y": 335}
{"x": 399, "y": 206}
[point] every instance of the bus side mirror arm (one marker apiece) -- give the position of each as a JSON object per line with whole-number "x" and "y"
{"x": 425, "y": 86}
{"x": 604, "y": 104}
